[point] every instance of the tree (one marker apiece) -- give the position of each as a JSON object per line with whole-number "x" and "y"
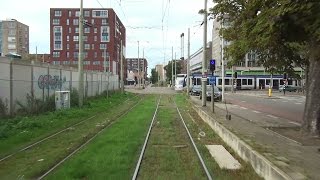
{"x": 154, "y": 76}
{"x": 282, "y": 33}
{"x": 168, "y": 69}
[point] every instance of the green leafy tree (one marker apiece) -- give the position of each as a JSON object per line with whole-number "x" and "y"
{"x": 168, "y": 69}
{"x": 154, "y": 76}
{"x": 282, "y": 33}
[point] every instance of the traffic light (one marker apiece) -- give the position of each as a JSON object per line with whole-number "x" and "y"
{"x": 235, "y": 75}
{"x": 212, "y": 65}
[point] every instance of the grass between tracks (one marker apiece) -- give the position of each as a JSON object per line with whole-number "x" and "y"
{"x": 32, "y": 162}
{"x": 197, "y": 125}
{"x": 170, "y": 154}
{"x": 114, "y": 153}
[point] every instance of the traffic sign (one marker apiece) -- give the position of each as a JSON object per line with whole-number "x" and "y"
{"x": 212, "y": 80}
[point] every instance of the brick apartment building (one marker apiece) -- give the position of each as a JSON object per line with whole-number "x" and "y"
{"x": 14, "y": 38}
{"x": 102, "y": 30}
{"x": 132, "y": 69}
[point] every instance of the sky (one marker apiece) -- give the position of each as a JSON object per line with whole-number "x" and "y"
{"x": 156, "y": 24}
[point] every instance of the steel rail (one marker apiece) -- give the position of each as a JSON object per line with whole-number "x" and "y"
{"x": 134, "y": 177}
{"x": 194, "y": 145}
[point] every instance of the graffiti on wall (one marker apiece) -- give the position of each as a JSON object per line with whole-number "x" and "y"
{"x": 50, "y": 82}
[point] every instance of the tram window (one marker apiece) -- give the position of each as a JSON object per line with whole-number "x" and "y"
{"x": 227, "y": 81}
{"x": 267, "y": 81}
{"x": 249, "y": 81}
{"x": 220, "y": 82}
{"x": 290, "y": 82}
{"x": 244, "y": 82}
{"x": 198, "y": 81}
{"x": 207, "y": 81}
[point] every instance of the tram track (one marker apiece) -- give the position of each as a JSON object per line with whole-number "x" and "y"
{"x": 147, "y": 139}
{"x": 87, "y": 142}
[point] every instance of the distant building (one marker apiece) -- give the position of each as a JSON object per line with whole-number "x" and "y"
{"x": 132, "y": 69}
{"x": 14, "y": 38}
{"x": 161, "y": 72}
{"x": 103, "y": 30}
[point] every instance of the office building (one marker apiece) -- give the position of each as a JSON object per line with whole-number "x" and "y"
{"x": 132, "y": 69}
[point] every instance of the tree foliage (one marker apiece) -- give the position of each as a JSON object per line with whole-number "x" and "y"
{"x": 283, "y": 33}
{"x": 168, "y": 69}
{"x": 154, "y": 76}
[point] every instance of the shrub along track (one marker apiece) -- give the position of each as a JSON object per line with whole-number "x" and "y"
{"x": 169, "y": 151}
{"x": 32, "y": 160}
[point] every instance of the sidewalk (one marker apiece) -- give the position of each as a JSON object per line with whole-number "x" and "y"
{"x": 264, "y": 93}
{"x": 299, "y": 159}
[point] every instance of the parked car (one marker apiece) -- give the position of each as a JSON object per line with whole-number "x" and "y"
{"x": 195, "y": 90}
{"x": 217, "y": 93}
{"x": 289, "y": 88}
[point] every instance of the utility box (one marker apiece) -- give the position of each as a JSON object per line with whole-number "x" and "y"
{"x": 62, "y": 99}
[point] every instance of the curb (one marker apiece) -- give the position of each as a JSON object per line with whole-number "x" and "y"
{"x": 261, "y": 165}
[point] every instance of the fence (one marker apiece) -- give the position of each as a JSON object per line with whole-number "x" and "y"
{"x": 19, "y": 78}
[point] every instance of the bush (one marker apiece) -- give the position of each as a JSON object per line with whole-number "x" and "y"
{"x": 36, "y": 106}
{"x": 3, "y": 108}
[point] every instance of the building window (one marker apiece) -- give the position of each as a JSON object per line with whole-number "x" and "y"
{"x": 68, "y": 46}
{"x": 75, "y": 38}
{"x": 68, "y": 22}
{"x": 57, "y": 13}
{"x": 57, "y": 37}
{"x": 68, "y": 54}
{"x": 95, "y": 54}
{"x": 56, "y": 21}
{"x": 86, "y": 30}
{"x": 105, "y": 33}
{"x": 66, "y": 62}
{"x": 85, "y": 54}
{"x": 95, "y": 30}
{"x": 85, "y": 38}
{"x": 96, "y": 62}
{"x": 100, "y": 13}
{"x": 70, "y": 29}
{"x": 56, "y": 54}
{"x": 70, "y": 13}
{"x": 92, "y": 46}
{"x": 87, "y": 46}
{"x": 95, "y": 38}
{"x": 77, "y": 46}
{"x": 76, "y": 30}
{"x": 74, "y": 62}
{"x": 103, "y": 46}
{"x": 92, "y": 21}
{"x": 76, "y": 22}
{"x": 75, "y": 54}
{"x": 77, "y": 13}
{"x": 104, "y": 22}
{"x": 86, "y": 13}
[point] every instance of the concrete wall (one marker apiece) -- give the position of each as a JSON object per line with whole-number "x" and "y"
{"x": 261, "y": 165}
{"x": 43, "y": 80}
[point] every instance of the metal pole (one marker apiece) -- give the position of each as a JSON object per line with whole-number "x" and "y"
{"x": 143, "y": 67}
{"x": 104, "y": 61}
{"x": 232, "y": 82}
{"x": 172, "y": 67}
{"x": 121, "y": 67}
{"x": 222, "y": 61}
{"x": 175, "y": 67}
{"x": 204, "y": 63}
{"x": 80, "y": 62}
{"x": 188, "y": 64}
{"x": 138, "y": 67}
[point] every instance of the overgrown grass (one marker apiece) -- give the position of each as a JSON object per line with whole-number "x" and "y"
{"x": 32, "y": 163}
{"x": 20, "y": 131}
{"x": 197, "y": 125}
{"x": 114, "y": 153}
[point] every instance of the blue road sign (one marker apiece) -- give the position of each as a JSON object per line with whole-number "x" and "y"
{"x": 212, "y": 80}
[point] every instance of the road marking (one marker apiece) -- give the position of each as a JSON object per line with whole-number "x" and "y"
{"x": 244, "y": 108}
{"x": 256, "y": 111}
{"x": 298, "y": 103}
{"x": 275, "y": 117}
{"x": 295, "y": 123}
{"x": 243, "y": 101}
